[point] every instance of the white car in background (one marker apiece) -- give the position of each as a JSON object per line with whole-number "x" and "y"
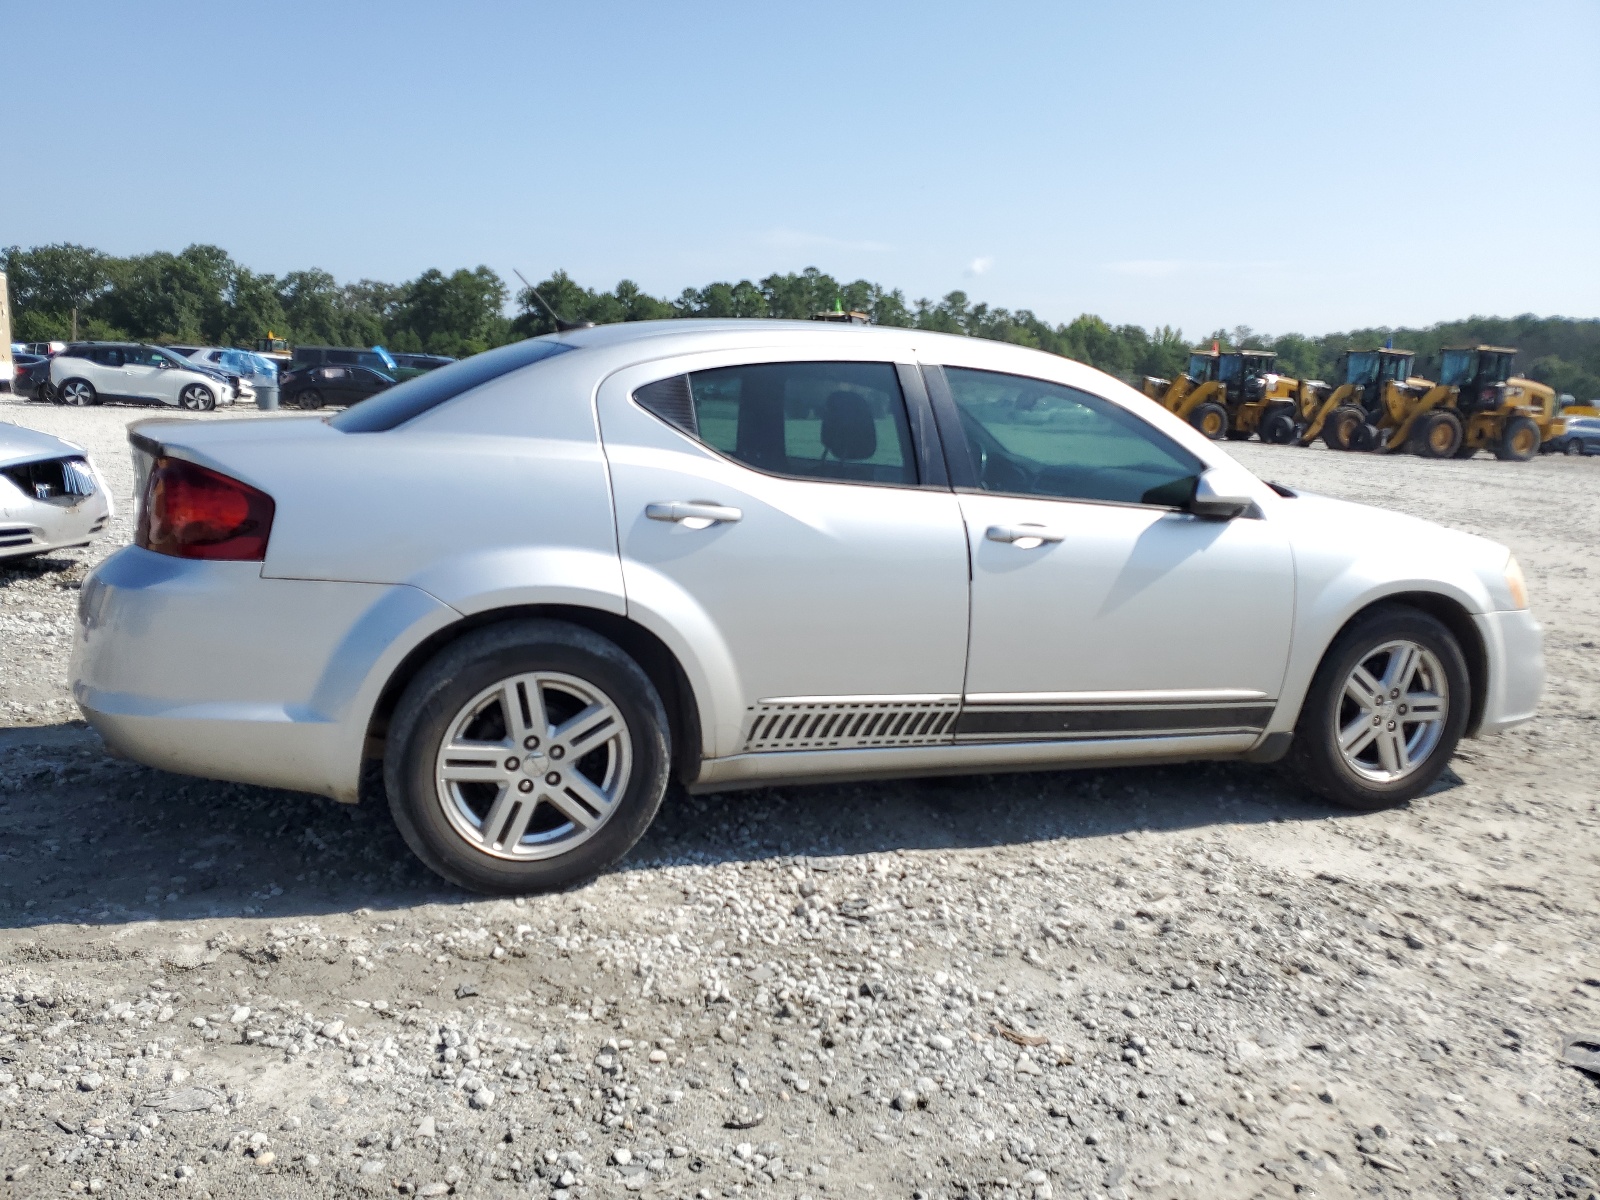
{"x": 243, "y": 363}
{"x": 88, "y": 373}
{"x": 51, "y": 496}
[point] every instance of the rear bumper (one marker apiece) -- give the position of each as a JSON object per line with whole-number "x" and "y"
{"x": 206, "y": 668}
{"x": 1514, "y": 643}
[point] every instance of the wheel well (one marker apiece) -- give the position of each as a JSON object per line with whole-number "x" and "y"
{"x": 644, "y": 647}
{"x": 1460, "y": 623}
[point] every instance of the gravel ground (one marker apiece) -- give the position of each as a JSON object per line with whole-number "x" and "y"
{"x": 1176, "y": 982}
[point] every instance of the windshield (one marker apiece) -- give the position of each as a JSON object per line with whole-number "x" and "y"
{"x": 1363, "y": 367}
{"x": 1229, "y": 368}
{"x": 416, "y": 396}
{"x": 1457, "y": 367}
{"x": 1202, "y": 367}
{"x": 1397, "y": 366}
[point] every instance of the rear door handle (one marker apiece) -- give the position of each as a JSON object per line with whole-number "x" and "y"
{"x": 696, "y": 514}
{"x": 1023, "y": 537}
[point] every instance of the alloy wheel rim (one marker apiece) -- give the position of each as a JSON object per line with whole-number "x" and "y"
{"x": 192, "y": 398}
{"x": 1391, "y": 712}
{"x": 76, "y": 394}
{"x": 533, "y": 766}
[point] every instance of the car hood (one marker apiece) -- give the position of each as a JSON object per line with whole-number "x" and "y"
{"x": 19, "y": 444}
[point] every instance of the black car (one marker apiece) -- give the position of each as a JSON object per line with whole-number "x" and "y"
{"x": 316, "y": 386}
{"x": 1581, "y": 436}
{"x": 30, "y": 376}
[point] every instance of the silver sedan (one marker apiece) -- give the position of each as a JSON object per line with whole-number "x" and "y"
{"x": 51, "y": 496}
{"x": 536, "y": 585}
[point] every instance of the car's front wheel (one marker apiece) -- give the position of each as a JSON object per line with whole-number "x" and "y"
{"x": 1573, "y": 447}
{"x": 196, "y": 397}
{"x": 1385, "y": 710}
{"x": 79, "y": 393}
{"x": 526, "y": 756}
{"x": 308, "y": 399}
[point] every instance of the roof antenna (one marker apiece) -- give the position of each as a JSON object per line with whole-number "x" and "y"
{"x": 561, "y": 326}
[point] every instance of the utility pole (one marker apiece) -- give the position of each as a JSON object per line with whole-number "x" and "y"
{"x": 74, "y": 323}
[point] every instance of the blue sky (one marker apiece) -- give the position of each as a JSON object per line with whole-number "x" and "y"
{"x": 1281, "y": 165}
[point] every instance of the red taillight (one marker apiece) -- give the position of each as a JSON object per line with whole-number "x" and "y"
{"x": 190, "y": 511}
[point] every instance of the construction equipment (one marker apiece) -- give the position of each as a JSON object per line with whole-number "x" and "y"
{"x": 1181, "y": 396}
{"x": 1508, "y": 414}
{"x": 1257, "y": 400}
{"x": 1378, "y": 397}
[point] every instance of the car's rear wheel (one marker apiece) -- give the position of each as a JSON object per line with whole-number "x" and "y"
{"x": 79, "y": 393}
{"x": 526, "y": 756}
{"x": 308, "y": 399}
{"x": 1386, "y": 708}
{"x": 196, "y": 397}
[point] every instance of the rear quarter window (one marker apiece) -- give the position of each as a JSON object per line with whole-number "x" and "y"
{"x": 395, "y": 406}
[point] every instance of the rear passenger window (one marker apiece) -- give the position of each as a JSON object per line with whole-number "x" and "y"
{"x": 840, "y": 421}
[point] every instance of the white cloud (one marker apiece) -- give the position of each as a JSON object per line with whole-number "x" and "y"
{"x": 980, "y": 264}
{"x": 799, "y": 239}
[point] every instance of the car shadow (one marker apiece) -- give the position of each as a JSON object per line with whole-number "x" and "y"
{"x": 88, "y": 839}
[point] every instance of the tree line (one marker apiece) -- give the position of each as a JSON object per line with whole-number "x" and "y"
{"x": 202, "y": 295}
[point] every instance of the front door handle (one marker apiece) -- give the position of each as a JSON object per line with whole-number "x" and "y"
{"x": 694, "y": 514}
{"x": 1023, "y": 537}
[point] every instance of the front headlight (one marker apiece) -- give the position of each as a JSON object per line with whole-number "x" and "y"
{"x": 1515, "y": 583}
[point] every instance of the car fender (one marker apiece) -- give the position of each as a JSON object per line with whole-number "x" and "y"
{"x": 1331, "y": 589}
{"x": 666, "y": 609}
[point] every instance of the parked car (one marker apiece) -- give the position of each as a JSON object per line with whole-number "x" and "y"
{"x": 51, "y": 496}
{"x": 21, "y": 383}
{"x": 377, "y": 357}
{"x": 93, "y": 372}
{"x": 1581, "y": 435}
{"x": 44, "y": 348}
{"x": 315, "y": 387}
{"x": 536, "y": 584}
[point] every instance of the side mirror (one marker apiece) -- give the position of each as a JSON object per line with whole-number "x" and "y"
{"x": 1208, "y": 501}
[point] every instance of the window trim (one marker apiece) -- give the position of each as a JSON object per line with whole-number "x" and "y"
{"x": 958, "y": 454}
{"x": 925, "y": 449}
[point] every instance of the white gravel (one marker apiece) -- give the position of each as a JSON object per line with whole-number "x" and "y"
{"x": 1186, "y": 981}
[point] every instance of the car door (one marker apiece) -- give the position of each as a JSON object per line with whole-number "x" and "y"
{"x": 1100, "y": 608}
{"x": 102, "y": 367}
{"x": 142, "y": 373}
{"x": 777, "y": 517}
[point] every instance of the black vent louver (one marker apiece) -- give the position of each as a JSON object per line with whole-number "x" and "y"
{"x": 671, "y": 400}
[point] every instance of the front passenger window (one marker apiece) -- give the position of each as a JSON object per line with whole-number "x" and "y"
{"x": 840, "y": 421}
{"x": 1033, "y": 438}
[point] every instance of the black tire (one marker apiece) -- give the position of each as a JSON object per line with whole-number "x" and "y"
{"x": 78, "y": 393}
{"x": 1341, "y": 426}
{"x": 1464, "y": 450}
{"x": 1211, "y": 420}
{"x": 1437, "y": 435}
{"x": 308, "y": 399}
{"x": 197, "y": 397}
{"x": 1364, "y": 437}
{"x": 1573, "y": 448}
{"x": 1519, "y": 441}
{"x": 431, "y": 705}
{"x": 1278, "y": 429}
{"x": 1315, "y": 755}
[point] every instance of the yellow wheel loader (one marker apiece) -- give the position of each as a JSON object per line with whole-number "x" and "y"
{"x": 1502, "y": 412}
{"x": 1184, "y": 395}
{"x": 1382, "y": 406}
{"x": 1233, "y": 395}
